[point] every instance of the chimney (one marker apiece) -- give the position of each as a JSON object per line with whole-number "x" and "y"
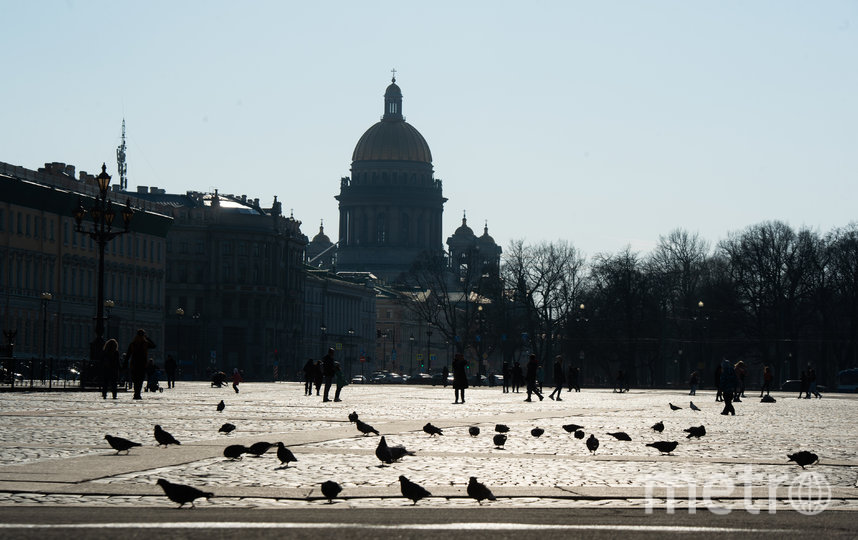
{"x": 142, "y": 189}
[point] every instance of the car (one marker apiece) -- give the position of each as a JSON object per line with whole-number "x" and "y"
{"x": 420, "y": 378}
{"x": 358, "y": 379}
{"x": 793, "y": 385}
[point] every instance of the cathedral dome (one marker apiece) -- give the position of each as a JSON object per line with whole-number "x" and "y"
{"x": 392, "y": 139}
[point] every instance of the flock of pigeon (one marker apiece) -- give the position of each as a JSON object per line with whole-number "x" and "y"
{"x": 389, "y": 454}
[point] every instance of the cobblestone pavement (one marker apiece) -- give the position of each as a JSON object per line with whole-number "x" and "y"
{"x": 52, "y": 447}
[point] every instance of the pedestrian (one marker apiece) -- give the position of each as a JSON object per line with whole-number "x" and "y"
{"x": 574, "y": 379}
{"x": 328, "y": 370}
{"x": 719, "y": 394}
{"x": 811, "y": 384}
{"x": 540, "y": 377}
{"x": 530, "y": 378}
{"x": 339, "y": 380}
{"x": 317, "y": 376}
{"x": 767, "y": 381}
{"x": 728, "y": 386}
{"x": 460, "y": 376}
{"x": 740, "y": 377}
{"x": 692, "y": 382}
{"x": 170, "y": 368}
{"x": 620, "y": 383}
{"x": 308, "y": 377}
{"x": 507, "y": 373}
{"x": 559, "y": 378}
{"x": 138, "y": 354}
{"x": 803, "y": 386}
{"x": 109, "y": 368}
{"x": 517, "y": 377}
{"x": 236, "y": 378}
{"x": 151, "y": 376}
{"x": 445, "y": 374}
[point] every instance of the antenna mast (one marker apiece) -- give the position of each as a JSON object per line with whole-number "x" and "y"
{"x": 121, "y": 166}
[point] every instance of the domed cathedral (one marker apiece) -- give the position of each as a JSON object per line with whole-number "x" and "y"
{"x": 391, "y": 207}
{"x": 472, "y": 257}
{"x": 320, "y": 251}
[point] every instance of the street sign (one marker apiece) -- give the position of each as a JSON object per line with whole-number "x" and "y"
{"x": 433, "y": 357}
{"x": 363, "y": 358}
{"x": 419, "y": 356}
{"x": 339, "y": 346}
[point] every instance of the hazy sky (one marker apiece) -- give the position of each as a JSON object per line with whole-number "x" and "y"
{"x": 606, "y": 124}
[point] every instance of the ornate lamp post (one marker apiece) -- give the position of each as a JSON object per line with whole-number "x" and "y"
{"x": 179, "y": 314}
{"x": 351, "y": 332}
{"x": 429, "y": 350}
{"x": 196, "y": 345}
{"x": 411, "y": 355}
{"x": 46, "y": 297}
{"x": 102, "y": 214}
{"x": 480, "y": 347}
{"x": 324, "y": 330}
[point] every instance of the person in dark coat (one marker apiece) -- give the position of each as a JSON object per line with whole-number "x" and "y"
{"x": 530, "y": 378}
{"x": 517, "y": 377}
{"x": 693, "y": 381}
{"x": 445, "y": 374}
{"x": 805, "y": 385}
{"x": 507, "y": 373}
{"x": 729, "y": 381}
{"x": 138, "y": 354}
{"x": 559, "y": 378}
{"x": 460, "y": 376}
{"x": 308, "y": 377}
{"x": 811, "y": 384}
{"x": 328, "y": 370}
{"x": 719, "y": 395}
{"x": 109, "y": 368}
{"x": 317, "y": 376}
{"x": 170, "y": 368}
{"x": 574, "y": 374}
{"x": 767, "y": 381}
{"x": 339, "y": 380}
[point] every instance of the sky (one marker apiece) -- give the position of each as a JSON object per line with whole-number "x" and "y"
{"x": 602, "y": 123}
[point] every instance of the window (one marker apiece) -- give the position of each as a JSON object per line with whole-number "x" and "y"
{"x": 20, "y": 224}
{"x": 51, "y": 229}
{"x": 201, "y": 248}
{"x": 27, "y": 222}
{"x": 227, "y": 248}
{"x": 2, "y": 220}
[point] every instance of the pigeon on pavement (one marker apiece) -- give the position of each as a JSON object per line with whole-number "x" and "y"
{"x": 693, "y": 406}
{"x": 479, "y": 491}
{"x": 592, "y": 444}
{"x": 620, "y": 436}
{"x": 285, "y": 455}
{"x": 473, "y": 431}
{"x": 432, "y": 430}
{"x": 579, "y": 434}
{"x": 499, "y": 439}
{"x": 234, "y": 451}
{"x": 221, "y": 406}
{"x": 572, "y": 428}
{"x": 119, "y": 444}
{"x": 658, "y": 426}
{"x": 364, "y": 428}
{"x": 227, "y": 428}
{"x": 412, "y": 491}
{"x": 695, "y": 431}
{"x": 389, "y": 454}
{"x": 259, "y": 448}
{"x": 674, "y": 407}
{"x": 665, "y": 447}
{"x": 164, "y": 437}
{"x": 803, "y": 458}
{"x": 182, "y": 494}
{"x": 501, "y": 428}
{"x": 330, "y": 489}
{"x": 537, "y": 432}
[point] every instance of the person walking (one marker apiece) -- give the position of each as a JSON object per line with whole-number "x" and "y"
{"x": 740, "y": 377}
{"x": 506, "y": 371}
{"x": 339, "y": 380}
{"x": 170, "y": 368}
{"x": 308, "y": 377}
{"x": 328, "y": 370}
{"x": 619, "y": 385}
{"x": 460, "y": 376}
{"x": 811, "y": 384}
{"x": 767, "y": 381}
{"x": 517, "y": 377}
{"x": 719, "y": 394}
{"x": 109, "y": 368}
{"x": 138, "y": 354}
{"x": 559, "y": 379}
{"x": 530, "y": 378}
{"x": 693, "y": 382}
{"x": 236, "y": 378}
{"x": 728, "y": 386}
{"x": 317, "y": 376}
{"x": 445, "y": 374}
{"x": 804, "y": 386}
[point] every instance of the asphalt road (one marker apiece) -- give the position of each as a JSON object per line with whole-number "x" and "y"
{"x": 47, "y": 523}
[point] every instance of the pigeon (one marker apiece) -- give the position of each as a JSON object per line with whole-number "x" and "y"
{"x": 285, "y": 455}
{"x": 119, "y": 444}
{"x": 234, "y": 451}
{"x": 330, "y": 489}
{"x": 221, "y": 406}
{"x": 363, "y": 427}
{"x": 572, "y": 428}
{"x": 693, "y": 431}
{"x": 803, "y": 458}
{"x": 658, "y": 426}
{"x": 226, "y": 428}
{"x": 432, "y": 430}
{"x": 163, "y": 437}
{"x": 473, "y": 431}
{"x": 412, "y": 491}
{"x": 665, "y": 447}
{"x": 389, "y": 454}
{"x": 182, "y": 494}
{"x": 537, "y": 432}
{"x": 500, "y": 428}
{"x": 259, "y": 448}
{"x": 592, "y": 444}
{"x": 479, "y": 491}
{"x": 579, "y": 434}
{"x": 674, "y": 407}
{"x": 620, "y": 436}
{"x": 693, "y": 406}
{"x": 353, "y": 416}
{"x": 499, "y": 439}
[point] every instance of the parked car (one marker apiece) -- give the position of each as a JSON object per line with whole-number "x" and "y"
{"x": 420, "y": 378}
{"x": 358, "y": 379}
{"x": 793, "y": 385}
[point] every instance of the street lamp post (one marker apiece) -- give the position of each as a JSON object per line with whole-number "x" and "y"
{"x": 196, "y": 345}
{"x": 46, "y": 297}
{"x": 480, "y": 347}
{"x": 179, "y": 314}
{"x": 429, "y": 350}
{"x": 108, "y": 305}
{"x": 324, "y": 331}
{"x": 411, "y": 355}
{"x": 102, "y": 214}
{"x": 10, "y": 347}
{"x": 351, "y": 332}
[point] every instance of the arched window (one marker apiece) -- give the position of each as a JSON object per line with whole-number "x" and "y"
{"x": 381, "y": 229}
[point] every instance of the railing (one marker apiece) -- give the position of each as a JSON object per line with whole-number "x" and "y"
{"x": 29, "y": 373}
